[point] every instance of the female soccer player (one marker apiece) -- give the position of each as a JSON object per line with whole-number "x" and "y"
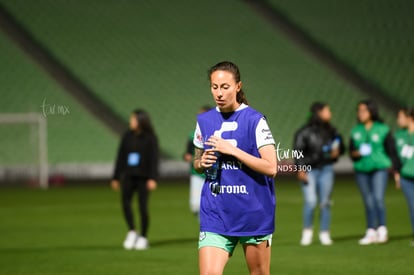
{"x": 372, "y": 148}
{"x": 137, "y": 167}
{"x": 239, "y": 205}
{"x": 405, "y": 146}
{"x": 321, "y": 145}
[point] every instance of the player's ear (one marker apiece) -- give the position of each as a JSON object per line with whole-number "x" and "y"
{"x": 239, "y": 86}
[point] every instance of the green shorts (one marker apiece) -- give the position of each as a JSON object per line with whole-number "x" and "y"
{"x": 228, "y": 243}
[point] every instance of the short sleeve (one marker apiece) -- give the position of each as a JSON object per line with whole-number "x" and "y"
{"x": 198, "y": 138}
{"x": 263, "y": 134}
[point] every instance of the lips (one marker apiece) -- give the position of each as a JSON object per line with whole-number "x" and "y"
{"x": 219, "y": 102}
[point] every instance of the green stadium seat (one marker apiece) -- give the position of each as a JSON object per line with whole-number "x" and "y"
{"x": 155, "y": 55}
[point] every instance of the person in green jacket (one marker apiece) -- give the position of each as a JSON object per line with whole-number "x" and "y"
{"x": 373, "y": 151}
{"x": 404, "y": 138}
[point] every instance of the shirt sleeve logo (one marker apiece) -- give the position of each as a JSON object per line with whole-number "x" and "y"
{"x": 202, "y": 236}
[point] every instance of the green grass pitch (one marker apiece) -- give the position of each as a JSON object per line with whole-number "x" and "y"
{"x": 79, "y": 229}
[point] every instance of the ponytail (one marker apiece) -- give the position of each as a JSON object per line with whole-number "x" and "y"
{"x": 241, "y": 98}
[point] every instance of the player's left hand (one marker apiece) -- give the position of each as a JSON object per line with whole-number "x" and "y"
{"x": 220, "y": 145}
{"x": 115, "y": 185}
{"x": 335, "y": 153}
{"x": 397, "y": 179}
{"x": 151, "y": 184}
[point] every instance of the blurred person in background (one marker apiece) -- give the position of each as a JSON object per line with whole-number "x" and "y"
{"x": 196, "y": 179}
{"x": 404, "y": 138}
{"x": 321, "y": 145}
{"x": 373, "y": 151}
{"x": 136, "y": 171}
{"x": 238, "y": 198}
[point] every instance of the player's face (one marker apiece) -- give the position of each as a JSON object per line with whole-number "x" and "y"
{"x": 325, "y": 114}
{"x": 363, "y": 113}
{"x": 133, "y": 122}
{"x": 402, "y": 119}
{"x": 224, "y": 89}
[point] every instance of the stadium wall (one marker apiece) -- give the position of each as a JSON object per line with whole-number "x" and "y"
{"x": 169, "y": 169}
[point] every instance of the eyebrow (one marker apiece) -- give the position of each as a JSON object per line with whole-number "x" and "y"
{"x": 220, "y": 84}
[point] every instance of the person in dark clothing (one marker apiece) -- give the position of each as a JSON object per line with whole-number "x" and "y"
{"x": 321, "y": 145}
{"x": 137, "y": 168}
{"x": 373, "y": 151}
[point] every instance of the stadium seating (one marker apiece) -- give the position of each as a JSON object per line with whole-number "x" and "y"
{"x": 155, "y": 55}
{"x": 72, "y": 137}
{"x": 374, "y": 37}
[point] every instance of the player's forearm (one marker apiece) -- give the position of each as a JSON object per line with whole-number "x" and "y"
{"x": 197, "y": 161}
{"x": 266, "y": 165}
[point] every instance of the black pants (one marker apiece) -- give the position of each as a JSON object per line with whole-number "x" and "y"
{"x": 130, "y": 185}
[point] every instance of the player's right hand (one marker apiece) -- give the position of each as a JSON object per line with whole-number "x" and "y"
{"x": 115, "y": 185}
{"x": 302, "y": 176}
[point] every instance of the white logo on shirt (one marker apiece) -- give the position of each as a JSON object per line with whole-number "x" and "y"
{"x": 227, "y": 127}
{"x": 231, "y": 165}
{"x": 407, "y": 151}
{"x": 234, "y": 189}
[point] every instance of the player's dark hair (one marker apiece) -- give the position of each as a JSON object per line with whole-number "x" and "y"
{"x": 231, "y": 68}
{"x": 315, "y": 108}
{"x": 315, "y": 118}
{"x": 144, "y": 121}
{"x": 408, "y": 111}
{"x": 372, "y": 109}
